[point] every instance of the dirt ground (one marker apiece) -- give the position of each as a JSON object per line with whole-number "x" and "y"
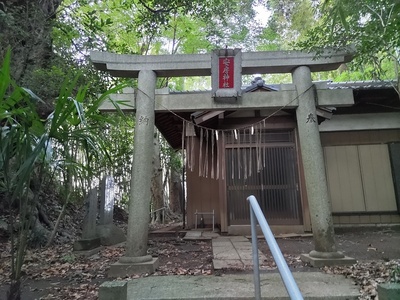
{"x": 364, "y": 244}
{"x": 56, "y": 273}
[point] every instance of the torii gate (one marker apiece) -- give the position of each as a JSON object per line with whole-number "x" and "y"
{"x": 299, "y": 64}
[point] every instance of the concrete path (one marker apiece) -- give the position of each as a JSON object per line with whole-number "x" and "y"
{"x": 233, "y": 252}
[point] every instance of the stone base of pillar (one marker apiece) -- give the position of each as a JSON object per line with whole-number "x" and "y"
{"x": 87, "y": 244}
{"x": 389, "y": 291}
{"x": 122, "y": 269}
{"x": 110, "y": 234}
{"x": 87, "y": 253}
{"x": 327, "y": 261}
{"x": 113, "y": 290}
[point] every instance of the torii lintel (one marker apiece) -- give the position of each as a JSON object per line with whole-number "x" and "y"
{"x": 179, "y": 65}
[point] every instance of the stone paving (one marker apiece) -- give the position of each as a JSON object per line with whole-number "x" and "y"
{"x": 313, "y": 285}
{"x": 233, "y": 252}
{"x": 229, "y": 252}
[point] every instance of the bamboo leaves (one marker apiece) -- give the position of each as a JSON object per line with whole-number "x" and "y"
{"x": 25, "y": 140}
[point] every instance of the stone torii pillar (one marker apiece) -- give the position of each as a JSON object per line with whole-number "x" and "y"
{"x": 325, "y": 252}
{"x": 136, "y": 259}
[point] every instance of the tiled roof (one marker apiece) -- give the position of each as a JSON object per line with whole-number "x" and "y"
{"x": 355, "y": 85}
{"x": 362, "y": 85}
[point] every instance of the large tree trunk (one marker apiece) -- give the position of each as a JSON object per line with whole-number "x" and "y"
{"x": 175, "y": 191}
{"x": 26, "y": 29}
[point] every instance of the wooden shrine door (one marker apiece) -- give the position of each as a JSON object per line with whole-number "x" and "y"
{"x": 263, "y": 164}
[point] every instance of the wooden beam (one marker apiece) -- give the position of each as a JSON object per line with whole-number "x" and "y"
{"x": 361, "y": 122}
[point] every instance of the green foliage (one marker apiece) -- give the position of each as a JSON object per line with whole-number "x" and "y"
{"x": 119, "y": 142}
{"x": 21, "y": 140}
{"x": 289, "y": 21}
{"x": 24, "y": 142}
{"x": 171, "y": 159}
{"x": 68, "y": 258}
{"x": 269, "y": 39}
{"x": 187, "y": 35}
{"x": 370, "y": 26}
{"x": 236, "y": 28}
{"x": 46, "y": 82}
{"x": 156, "y": 27}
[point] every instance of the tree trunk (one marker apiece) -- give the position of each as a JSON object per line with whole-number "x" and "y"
{"x": 156, "y": 181}
{"x": 55, "y": 228}
{"x": 38, "y": 235}
{"x": 28, "y": 33}
{"x": 14, "y": 292}
{"x": 43, "y": 217}
{"x": 175, "y": 187}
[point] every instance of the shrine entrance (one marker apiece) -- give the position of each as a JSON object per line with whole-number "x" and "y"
{"x": 259, "y": 161}
{"x": 264, "y": 164}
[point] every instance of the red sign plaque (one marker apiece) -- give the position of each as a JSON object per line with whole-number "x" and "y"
{"x": 226, "y": 72}
{"x": 226, "y": 75}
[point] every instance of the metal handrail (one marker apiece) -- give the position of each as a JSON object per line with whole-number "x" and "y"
{"x": 257, "y": 215}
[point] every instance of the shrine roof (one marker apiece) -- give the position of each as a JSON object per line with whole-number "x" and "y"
{"x": 370, "y": 97}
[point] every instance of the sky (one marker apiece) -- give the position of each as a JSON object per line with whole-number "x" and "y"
{"x": 262, "y": 14}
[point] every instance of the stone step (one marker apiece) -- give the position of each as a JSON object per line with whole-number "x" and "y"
{"x": 313, "y": 285}
{"x": 167, "y": 231}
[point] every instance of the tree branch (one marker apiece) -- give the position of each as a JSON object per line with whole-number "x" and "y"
{"x": 156, "y": 11}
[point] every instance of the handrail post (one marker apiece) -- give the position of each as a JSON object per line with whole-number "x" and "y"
{"x": 286, "y": 275}
{"x": 256, "y": 263}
